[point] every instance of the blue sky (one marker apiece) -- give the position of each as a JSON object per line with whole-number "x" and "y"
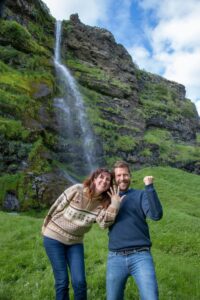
{"x": 163, "y": 37}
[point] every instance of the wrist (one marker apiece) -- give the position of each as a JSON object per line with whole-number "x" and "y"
{"x": 115, "y": 203}
{"x": 149, "y": 186}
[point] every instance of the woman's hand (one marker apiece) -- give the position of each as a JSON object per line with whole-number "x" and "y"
{"x": 114, "y": 195}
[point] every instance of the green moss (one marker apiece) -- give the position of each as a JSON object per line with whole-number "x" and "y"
{"x": 23, "y": 83}
{"x": 15, "y": 81}
{"x": 125, "y": 143}
{"x": 3, "y": 67}
{"x": 170, "y": 150}
{"x": 40, "y": 34}
{"x": 146, "y": 153}
{"x": 50, "y": 139}
{"x": 85, "y": 68}
{"x": 24, "y": 61}
{"x": 161, "y": 99}
{"x": 188, "y": 109}
{"x": 17, "y": 90}
{"x": 13, "y": 129}
{"x": 38, "y": 162}
{"x": 198, "y": 139}
{"x": 11, "y": 183}
{"x": 38, "y": 63}
{"x": 20, "y": 106}
{"x": 157, "y": 136}
{"x": 186, "y": 153}
{"x": 158, "y": 97}
{"x": 107, "y": 130}
{"x": 67, "y": 26}
{"x": 19, "y": 37}
{"x": 9, "y": 53}
{"x": 89, "y": 72}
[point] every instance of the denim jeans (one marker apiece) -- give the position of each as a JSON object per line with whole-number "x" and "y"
{"x": 63, "y": 257}
{"x": 140, "y": 266}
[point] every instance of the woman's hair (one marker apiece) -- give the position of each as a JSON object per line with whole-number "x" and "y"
{"x": 89, "y": 183}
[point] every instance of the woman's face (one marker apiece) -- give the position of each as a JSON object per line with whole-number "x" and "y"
{"x": 102, "y": 182}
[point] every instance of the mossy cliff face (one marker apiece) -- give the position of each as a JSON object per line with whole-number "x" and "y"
{"x": 29, "y": 173}
{"x": 139, "y": 117}
{"x": 136, "y": 116}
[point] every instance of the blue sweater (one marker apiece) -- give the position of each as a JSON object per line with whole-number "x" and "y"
{"x": 130, "y": 228}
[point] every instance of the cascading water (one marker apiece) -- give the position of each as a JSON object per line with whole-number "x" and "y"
{"x": 76, "y": 133}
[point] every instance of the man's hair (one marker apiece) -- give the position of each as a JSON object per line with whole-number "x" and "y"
{"x": 121, "y": 164}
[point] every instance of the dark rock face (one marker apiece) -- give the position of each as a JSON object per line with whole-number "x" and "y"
{"x": 182, "y": 127}
{"x": 145, "y": 103}
{"x": 2, "y": 4}
{"x": 156, "y": 79}
{"x": 182, "y": 130}
{"x": 11, "y": 203}
{"x": 97, "y": 47}
{"x": 22, "y": 10}
{"x": 47, "y": 187}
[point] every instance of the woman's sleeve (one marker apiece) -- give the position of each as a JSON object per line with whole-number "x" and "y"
{"x": 107, "y": 216}
{"x": 62, "y": 202}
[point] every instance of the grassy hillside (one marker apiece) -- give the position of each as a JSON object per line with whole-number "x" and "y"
{"x": 26, "y": 273}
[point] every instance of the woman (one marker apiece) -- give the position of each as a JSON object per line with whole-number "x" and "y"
{"x": 69, "y": 218}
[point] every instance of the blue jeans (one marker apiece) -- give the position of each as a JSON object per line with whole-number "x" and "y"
{"x": 140, "y": 266}
{"x": 63, "y": 257}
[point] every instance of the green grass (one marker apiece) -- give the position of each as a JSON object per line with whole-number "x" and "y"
{"x": 26, "y": 273}
{"x": 13, "y": 129}
{"x": 169, "y": 149}
{"x": 19, "y": 37}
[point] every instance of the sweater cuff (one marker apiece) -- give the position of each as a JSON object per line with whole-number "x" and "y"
{"x": 115, "y": 204}
{"x": 149, "y": 187}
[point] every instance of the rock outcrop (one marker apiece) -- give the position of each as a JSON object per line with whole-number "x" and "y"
{"x": 135, "y": 110}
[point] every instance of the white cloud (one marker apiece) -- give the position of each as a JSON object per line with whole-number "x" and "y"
{"x": 197, "y": 103}
{"x": 90, "y": 11}
{"x": 176, "y": 34}
{"x": 175, "y": 43}
{"x": 119, "y": 18}
{"x": 143, "y": 56}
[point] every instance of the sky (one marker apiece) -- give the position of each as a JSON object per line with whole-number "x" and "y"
{"x": 163, "y": 37}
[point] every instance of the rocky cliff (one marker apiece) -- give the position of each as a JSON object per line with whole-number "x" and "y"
{"x": 136, "y": 116}
{"x": 146, "y": 117}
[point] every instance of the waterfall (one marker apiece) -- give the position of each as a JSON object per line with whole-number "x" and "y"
{"x": 71, "y": 115}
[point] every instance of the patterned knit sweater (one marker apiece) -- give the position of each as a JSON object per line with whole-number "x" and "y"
{"x": 73, "y": 214}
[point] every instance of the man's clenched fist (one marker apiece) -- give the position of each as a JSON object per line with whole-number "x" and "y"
{"x": 148, "y": 180}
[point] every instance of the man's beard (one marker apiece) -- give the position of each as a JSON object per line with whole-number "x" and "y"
{"x": 126, "y": 182}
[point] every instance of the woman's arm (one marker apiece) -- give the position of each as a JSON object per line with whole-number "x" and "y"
{"x": 62, "y": 202}
{"x": 107, "y": 216}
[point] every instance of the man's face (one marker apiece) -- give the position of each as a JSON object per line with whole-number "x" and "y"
{"x": 122, "y": 178}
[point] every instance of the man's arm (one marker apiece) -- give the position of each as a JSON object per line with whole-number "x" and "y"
{"x": 151, "y": 204}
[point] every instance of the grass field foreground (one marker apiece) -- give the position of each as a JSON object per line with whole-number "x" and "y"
{"x": 26, "y": 273}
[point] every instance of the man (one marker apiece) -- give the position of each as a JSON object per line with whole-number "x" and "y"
{"x": 129, "y": 239}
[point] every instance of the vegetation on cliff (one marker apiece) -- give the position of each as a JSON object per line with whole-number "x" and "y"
{"x": 136, "y": 116}
{"x": 27, "y": 84}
